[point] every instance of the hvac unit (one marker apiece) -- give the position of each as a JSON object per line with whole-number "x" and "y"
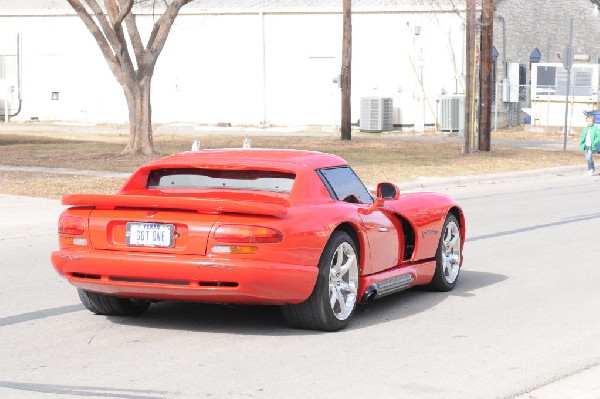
{"x": 452, "y": 113}
{"x": 376, "y": 114}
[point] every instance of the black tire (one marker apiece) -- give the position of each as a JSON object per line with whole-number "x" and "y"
{"x": 447, "y": 257}
{"x": 317, "y": 312}
{"x": 112, "y": 305}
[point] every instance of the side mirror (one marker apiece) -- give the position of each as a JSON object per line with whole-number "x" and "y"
{"x": 388, "y": 191}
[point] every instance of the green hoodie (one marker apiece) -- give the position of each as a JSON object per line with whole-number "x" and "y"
{"x": 595, "y": 133}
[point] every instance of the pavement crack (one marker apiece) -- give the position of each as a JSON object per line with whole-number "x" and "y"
{"x": 27, "y": 236}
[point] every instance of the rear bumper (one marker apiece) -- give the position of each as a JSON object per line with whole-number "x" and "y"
{"x": 184, "y": 277}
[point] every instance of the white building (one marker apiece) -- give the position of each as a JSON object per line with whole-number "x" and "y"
{"x": 240, "y": 62}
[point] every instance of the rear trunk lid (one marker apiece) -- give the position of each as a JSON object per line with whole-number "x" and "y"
{"x": 176, "y": 225}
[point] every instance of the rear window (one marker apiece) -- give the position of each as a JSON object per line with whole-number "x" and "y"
{"x": 261, "y": 180}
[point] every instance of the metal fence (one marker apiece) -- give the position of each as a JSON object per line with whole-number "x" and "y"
{"x": 507, "y": 105}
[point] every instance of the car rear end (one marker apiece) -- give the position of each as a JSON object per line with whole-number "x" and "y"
{"x": 177, "y": 241}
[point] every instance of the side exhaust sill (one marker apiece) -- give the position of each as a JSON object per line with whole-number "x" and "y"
{"x": 387, "y": 287}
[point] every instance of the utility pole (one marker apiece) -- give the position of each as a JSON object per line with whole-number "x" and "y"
{"x": 469, "y": 78}
{"x": 485, "y": 82}
{"x": 346, "y": 74}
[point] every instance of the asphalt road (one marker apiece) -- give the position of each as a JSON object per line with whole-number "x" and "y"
{"x": 523, "y": 320}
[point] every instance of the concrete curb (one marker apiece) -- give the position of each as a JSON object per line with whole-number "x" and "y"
{"x": 432, "y": 182}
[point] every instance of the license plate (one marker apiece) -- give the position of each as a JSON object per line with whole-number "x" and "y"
{"x": 150, "y": 234}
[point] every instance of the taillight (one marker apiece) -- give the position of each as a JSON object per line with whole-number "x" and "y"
{"x": 237, "y": 233}
{"x": 69, "y": 224}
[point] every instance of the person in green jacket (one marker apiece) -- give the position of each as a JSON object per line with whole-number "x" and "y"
{"x": 590, "y": 137}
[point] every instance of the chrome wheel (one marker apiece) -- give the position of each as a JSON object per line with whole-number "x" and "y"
{"x": 451, "y": 251}
{"x": 331, "y": 304}
{"x": 343, "y": 281}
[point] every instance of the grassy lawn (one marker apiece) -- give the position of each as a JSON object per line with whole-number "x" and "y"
{"x": 374, "y": 158}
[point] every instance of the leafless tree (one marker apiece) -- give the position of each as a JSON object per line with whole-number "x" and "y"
{"x": 134, "y": 74}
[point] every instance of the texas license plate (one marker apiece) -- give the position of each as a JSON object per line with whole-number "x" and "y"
{"x": 150, "y": 234}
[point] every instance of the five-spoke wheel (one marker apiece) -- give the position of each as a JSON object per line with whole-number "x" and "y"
{"x": 448, "y": 256}
{"x": 343, "y": 281}
{"x": 333, "y": 300}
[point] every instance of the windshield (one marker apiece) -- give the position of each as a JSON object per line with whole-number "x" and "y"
{"x": 261, "y": 180}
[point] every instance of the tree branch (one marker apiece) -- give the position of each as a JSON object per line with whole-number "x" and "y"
{"x": 101, "y": 39}
{"x": 136, "y": 40}
{"x": 126, "y": 7}
{"x": 105, "y": 25}
{"x": 121, "y": 49}
{"x": 161, "y": 30}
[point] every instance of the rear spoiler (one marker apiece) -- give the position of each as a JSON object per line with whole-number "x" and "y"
{"x": 200, "y": 205}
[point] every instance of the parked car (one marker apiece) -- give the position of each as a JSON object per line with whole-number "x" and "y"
{"x": 256, "y": 226}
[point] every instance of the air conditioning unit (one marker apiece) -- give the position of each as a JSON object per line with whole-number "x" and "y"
{"x": 376, "y": 114}
{"x": 452, "y": 113}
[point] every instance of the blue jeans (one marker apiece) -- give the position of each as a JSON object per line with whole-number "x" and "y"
{"x": 589, "y": 157}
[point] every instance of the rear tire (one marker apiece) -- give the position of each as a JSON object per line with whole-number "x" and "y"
{"x": 334, "y": 297}
{"x": 112, "y": 305}
{"x": 448, "y": 256}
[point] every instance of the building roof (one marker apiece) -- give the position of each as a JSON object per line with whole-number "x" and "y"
{"x": 52, "y": 7}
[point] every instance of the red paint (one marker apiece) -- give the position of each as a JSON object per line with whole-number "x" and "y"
{"x": 289, "y": 231}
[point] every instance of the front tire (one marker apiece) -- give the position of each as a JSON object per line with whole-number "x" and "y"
{"x": 448, "y": 256}
{"x": 334, "y": 297}
{"x": 112, "y": 305}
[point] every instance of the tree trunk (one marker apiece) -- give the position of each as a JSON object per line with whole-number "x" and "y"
{"x": 106, "y": 25}
{"x": 140, "y": 117}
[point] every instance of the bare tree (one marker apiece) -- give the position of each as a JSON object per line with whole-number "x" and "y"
{"x": 133, "y": 74}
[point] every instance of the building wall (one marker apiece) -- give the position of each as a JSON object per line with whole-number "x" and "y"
{"x": 246, "y": 67}
{"x": 58, "y": 57}
{"x": 257, "y": 66}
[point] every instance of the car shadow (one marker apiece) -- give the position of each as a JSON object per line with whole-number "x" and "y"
{"x": 267, "y": 320}
{"x": 419, "y": 299}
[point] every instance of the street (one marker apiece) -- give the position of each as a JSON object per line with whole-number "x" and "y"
{"x": 525, "y": 313}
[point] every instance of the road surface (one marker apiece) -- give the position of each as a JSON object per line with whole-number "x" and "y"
{"x": 523, "y": 320}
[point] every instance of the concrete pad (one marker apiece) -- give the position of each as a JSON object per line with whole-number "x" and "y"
{"x": 583, "y": 385}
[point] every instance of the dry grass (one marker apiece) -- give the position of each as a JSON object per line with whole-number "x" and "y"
{"x": 374, "y": 158}
{"x": 50, "y": 185}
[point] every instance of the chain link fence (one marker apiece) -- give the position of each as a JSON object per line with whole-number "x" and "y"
{"x": 508, "y": 102}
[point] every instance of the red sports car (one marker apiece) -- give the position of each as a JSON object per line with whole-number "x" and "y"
{"x": 250, "y": 226}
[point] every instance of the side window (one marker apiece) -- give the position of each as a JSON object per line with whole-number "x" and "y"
{"x": 344, "y": 185}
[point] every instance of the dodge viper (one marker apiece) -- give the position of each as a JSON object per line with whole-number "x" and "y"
{"x": 291, "y": 228}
